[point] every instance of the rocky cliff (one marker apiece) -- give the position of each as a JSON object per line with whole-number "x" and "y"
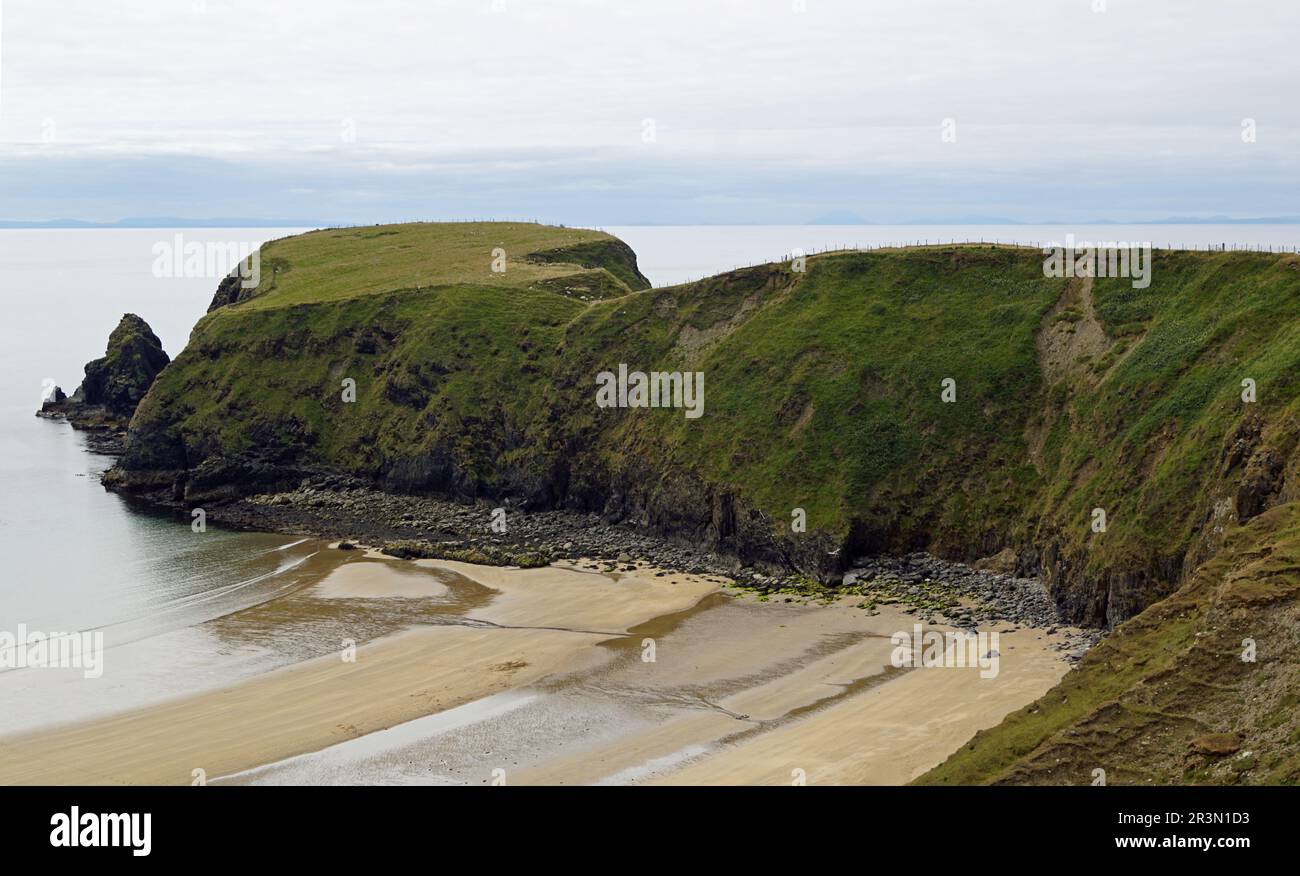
{"x": 946, "y": 398}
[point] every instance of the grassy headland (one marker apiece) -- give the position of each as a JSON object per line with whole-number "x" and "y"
{"x": 823, "y": 393}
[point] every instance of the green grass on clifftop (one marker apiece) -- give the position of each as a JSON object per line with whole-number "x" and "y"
{"x": 339, "y": 263}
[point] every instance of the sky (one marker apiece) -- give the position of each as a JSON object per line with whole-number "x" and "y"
{"x": 593, "y": 112}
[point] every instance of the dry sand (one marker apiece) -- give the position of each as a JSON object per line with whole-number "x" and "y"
{"x": 378, "y": 581}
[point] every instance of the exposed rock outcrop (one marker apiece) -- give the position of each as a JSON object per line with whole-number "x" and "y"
{"x": 121, "y": 378}
{"x": 114, "y": 384}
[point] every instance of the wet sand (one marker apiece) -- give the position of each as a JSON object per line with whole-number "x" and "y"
{"x": 840, "y": 712}
{"x": 319, "y": 702}
{"x": 559, "y": 675}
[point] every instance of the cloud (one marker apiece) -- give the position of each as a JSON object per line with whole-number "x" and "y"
{"x": 756, "y": 108}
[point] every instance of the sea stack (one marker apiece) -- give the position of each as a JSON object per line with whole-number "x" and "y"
{"x": 114, "y": 383}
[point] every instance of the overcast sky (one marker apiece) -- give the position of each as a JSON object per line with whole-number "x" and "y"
{"x": 606, "y": 112}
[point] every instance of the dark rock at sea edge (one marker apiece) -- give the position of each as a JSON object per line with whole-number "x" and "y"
{"x": 113, "y": 386}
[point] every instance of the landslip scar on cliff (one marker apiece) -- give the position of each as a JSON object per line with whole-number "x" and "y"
{"x": 464, "y": 359}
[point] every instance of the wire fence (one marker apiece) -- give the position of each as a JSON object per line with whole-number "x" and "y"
{"x": 844, "y": 249}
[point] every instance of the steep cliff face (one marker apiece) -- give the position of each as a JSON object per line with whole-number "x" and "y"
{"x": 926, "y": 398}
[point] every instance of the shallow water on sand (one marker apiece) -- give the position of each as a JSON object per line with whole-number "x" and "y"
{"x": 572, "y": 727}
{"x": 286, "y": 605}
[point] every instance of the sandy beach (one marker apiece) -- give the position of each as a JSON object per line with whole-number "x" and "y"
{"x": 558, "y": 675}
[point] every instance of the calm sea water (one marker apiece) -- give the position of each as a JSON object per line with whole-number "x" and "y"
{"x": 77, "y": 558}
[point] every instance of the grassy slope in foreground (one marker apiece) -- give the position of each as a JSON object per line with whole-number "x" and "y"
{"x": 822, "y": 393}
{"x": 1168, "y": 698}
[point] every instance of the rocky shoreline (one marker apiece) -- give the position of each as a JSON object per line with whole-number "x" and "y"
{"x": 967, "y": 597}
{"x": 338, "y": 506}
{"x": 105, "y": 433}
